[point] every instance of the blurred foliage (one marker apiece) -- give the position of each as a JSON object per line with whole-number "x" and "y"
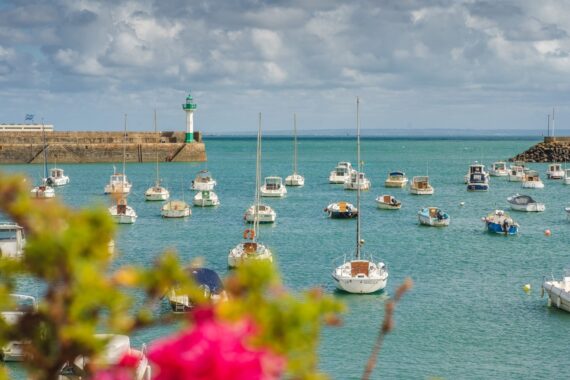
{"x": 67, "y": 252}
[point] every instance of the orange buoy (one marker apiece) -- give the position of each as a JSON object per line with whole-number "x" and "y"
{"x": 547, "y": 232}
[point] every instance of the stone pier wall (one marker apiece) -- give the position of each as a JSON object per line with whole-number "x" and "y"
{"x": 553, "y": 149}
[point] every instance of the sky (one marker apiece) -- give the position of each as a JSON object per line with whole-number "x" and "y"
{"x": 453, "y": 64}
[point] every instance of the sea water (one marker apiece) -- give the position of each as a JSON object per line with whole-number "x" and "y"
{"x": 467, "y": 315}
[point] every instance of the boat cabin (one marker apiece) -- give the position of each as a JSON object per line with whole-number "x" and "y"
{"x": 532, "y": 176}
{"x": 273, "y": 183}
{"x": 500, "y": 166}
{"x": 476, "y": 168}
{"x": 203, "y": 176}
{"x": 477, "y": 178}
{"x": 554, "y": 168}
{"x": 12, "y": 239}
{"x": 421, "y": 182}
{"x": 56, "y": 173}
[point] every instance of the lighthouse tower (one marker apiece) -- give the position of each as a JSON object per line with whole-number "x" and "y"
{"x": 189, "y": 108}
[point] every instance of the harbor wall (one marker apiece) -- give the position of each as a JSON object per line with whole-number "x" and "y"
{"x": 89, "y": 147}
{"x": 552, "y": 149}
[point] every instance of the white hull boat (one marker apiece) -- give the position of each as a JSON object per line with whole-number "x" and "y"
{"x": 248, "y": 251}
{"x": 558, "y": 292}
{"x": 13, "y": 351}
{"x": 532, "y": 180}
{"x": 57, "y": 178}
{"x": 421, "y": 186}
{"x": 12, "y": 240}
{"x": 433, "y": 217}
{"x": 516, "y": 173}
{"x": 477, "y": 169}
{"x": 357, "y": 180}
{"x": 175, "y": 209}
{"x": 203, "y": 182}
{"x": 156, "y": 193}
{"x": 295, "y": 179}
{"x": 265, "y": 214}
{"x": 123, "y": 214}
{"x": 206, "y": 199}
{"x": 43, "y": 192}
{"x": 555, "y": 171}
{"x": 396, "y": 179}
{"x": 525, "y": 203}
{"x": 273, "y": 187}
{"x": 566, "y": 177}
{"x": 341, "y": 173}
{"x": 499, "y": 169}
{"x": 207, "y": 280}
{"x": 388, "y": 202}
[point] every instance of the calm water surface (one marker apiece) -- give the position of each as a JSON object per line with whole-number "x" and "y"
{"x": 467, "y": 316}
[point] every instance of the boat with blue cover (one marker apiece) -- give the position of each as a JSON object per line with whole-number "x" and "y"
{"x": 207, "y": 280}
{"x": 500, "y": 222}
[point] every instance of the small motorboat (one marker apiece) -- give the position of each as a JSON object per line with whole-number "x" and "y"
{"x": 265, "y": 214}
{"x": 118, "y": 184}
{"x": 421, "y": 186}
{"x": 207, "y": 280}
{"x": 517, "y": 172}
{"x": 57, "y": 178}
{"x": 206, "y": 198}
{"x": 476, "y": 168}
{"x": 555, "y": 171}
{"x": 500, "y": 222}
{"x": 273, "y": 187}
{"x": 558, "y": 292}
{"x": 433, "y": 216}
{"x": 122, "y": 213}
{"x": 341, "y": 173}
{"x": 341, "y": 210}
{"x": 532, "y": 180}
{"x": 396, "y": 179}
{"x": 175, "y": 209}
{"x": 116, "y": 348}
{"x": 499, "y": 169}
{"x": 478, "y": 182}
{"x": 12, "y": 240}
{"x": 357, "y": 179}
{"x": 566, "y": 178}
{"x": 525, "y": 203}
{"x": 388, "y": 202}
{"x": 203, "y": 181}
{"x": 22, "y": 304}
{"x": 43, "y": 191}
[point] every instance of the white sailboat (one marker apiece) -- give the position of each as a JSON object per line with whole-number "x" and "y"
{"x": 156, "y": 192}
{"x": 360, "y": 275}
{"x": 44, "y": 190}
{"x": 295, "y": 179}
{"x": 251, "y": 248}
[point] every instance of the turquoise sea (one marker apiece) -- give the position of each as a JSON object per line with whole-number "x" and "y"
{"x": 467, "y": 316}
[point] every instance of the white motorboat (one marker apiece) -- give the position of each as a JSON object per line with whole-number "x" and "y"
{"x": 360, "y": 275}
{"x": 476, "y": 168}
{"x": 206, "y": 198}
{"x": 21, "y": 305}
{"x": 263, "y": 213}
{"x": 566, "y": 179}
{"x": 295, "y": 179}
{"x": 341, "y": 210}
{"x": 421, "y": 186}
{"x": 434, "y": 217}
{"x": 357, "y": 180}
{"x": 210, "y": 284}
{"x": 555, "y": 171}
{"x": 12, "y": 240}
{"x": 532, "y": 180}
{"x": 116, "y": 347}
{"x": 122, "y": 213}
{"x": 251, "y": 248}
{"x": 525, "y": 203}
{"x": 203, "y": 181}
{"x": 57, "y": 177}
{"x": 558, "y": 291}
{"x": 119, "y": 183}
{"x": 273, "y": 187}
{"x": 478, "y": 182}
{"x": 499, "y": 169}
{"x": 388, "y": 202}
{"x": 517, "y": 172}
{"x": 175, "y": 209}
{"x": 156, "y": 192}
{"x": 44, "y": 190}
{"x": 396, "y": 179}
{"x": 341, "y": 173}
{"x": 567, "y": 209}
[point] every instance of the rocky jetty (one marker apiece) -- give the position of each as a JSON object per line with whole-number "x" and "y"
{"x": 552, "y": 149}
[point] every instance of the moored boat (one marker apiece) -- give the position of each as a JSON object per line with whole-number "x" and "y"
{"x": 341, "y": 173}
{"x": 207, "y": 280}
{"x": 434, "y": 217}
{"x": 566, "y": 177}
{"x": 263, "y": 213}
{"x": 44, "y": 190}
{"x": 357, "y": 180}
{"x": 203, "y": 181}
{"x": 500, "y": 222}
{"x": 206, "y": 198}
{"x": 388, "y": 202}
{"x": 273, "y": 187}
{"x": 22, "y": 304}
{"x": 396, "y": 179}
{"x": 558, "y": 291}
{"x": 499, "y": 169}
{"x": 156, "y": 192}
{"x": 122, "y": 213}
{"x": 517, "y": 172}
{"x": 477, "y": 182}
{"x": 476, "y": 168}
{"x": 525, "y": 203}
{"x": 555, "y": 171}
{"x": 421, "y": 186}
{"x": 341, "y": 210}
{"x": 532, "y": 180}
{"x": 12, "y": 240}
{"x": 57, "y": 177}
{"x": 175, "y": 209}
{"x": 295, "y": 179}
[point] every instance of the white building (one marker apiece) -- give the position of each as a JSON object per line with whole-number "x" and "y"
{"x": 26, "y": 127}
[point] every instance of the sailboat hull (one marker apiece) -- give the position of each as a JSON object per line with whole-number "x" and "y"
{"x": 156, "y": 194}
{"x": 295, "y": 180}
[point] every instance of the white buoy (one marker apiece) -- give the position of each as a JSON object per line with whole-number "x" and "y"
{"x": 461, "y": 203}
{"x": 527, "y": 288}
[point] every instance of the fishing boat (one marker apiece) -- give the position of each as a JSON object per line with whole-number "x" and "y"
{"x": 295, "y": 179}
{"x": 118, "y": 184}
{"x": 532, "y": 180}
{"x": 207, "y": 280}
{"x": 116, "y": 348}
{"x": 360, "y": 275}
{"x": 388, "y": 202}
{"x": 262, "y": 213}
{"x": 175, "y": 209}
{"x": 356, "y": 181}
{"x": 566, "y": 179}
{"x": 341, "y": 173}
{"x": 341, "y": 210}
{"x": 558, "y": 291}
{"x": 203, "y": 181}
{"x": 421, "y": 186}
{"x": 525, "y": 203}
{"x": 273, "y": 187}
{"x": 21, "y": 304}
{"x": 478, "y": 182}
{"x": 555, "y": 171}
{"x": 122, "y": 213}
{"x": 251, "y": 248}
{"x": 44, "y": 190}
{"x": 476, "y": 168}
{"x": 499, "y": 169}
{"x": 396, "y": 179}
{"x": 206, "y": 198}
{"x": 516, "y": 172}
{"x": 12, "y": 240}
{"x": 156, "y": 192}
{"x": 57, "y": 177}
{"x": 500, "y": 222}
{"x": 434, "y": 217}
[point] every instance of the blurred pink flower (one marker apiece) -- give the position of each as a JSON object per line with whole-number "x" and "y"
{"x": 214, "y": 350}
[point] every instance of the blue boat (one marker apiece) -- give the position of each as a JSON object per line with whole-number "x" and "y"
{"x": 207, "y": 280}
{"x": 478, "y": 182}
{"x": 500, "y": 222}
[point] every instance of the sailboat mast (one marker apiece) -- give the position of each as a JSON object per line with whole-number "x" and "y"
{"x": 257, "y": 181}
{"x": 358, "y": 179}
{"x": 124, "y": 150}
{"x": 553, "y": 108}
{"x": 156, "y": 147}
{"x": 45, "y": 151}
{"x": 295, "y": 143}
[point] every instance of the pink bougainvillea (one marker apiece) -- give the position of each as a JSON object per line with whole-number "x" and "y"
{"x": 212, "y": 349}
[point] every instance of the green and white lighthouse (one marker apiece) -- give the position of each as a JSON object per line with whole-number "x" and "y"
{"x": 189, "y": 108}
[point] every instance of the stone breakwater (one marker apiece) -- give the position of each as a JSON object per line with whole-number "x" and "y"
{"x": 86, "y": 147}
{"x": 552, "y": 149}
